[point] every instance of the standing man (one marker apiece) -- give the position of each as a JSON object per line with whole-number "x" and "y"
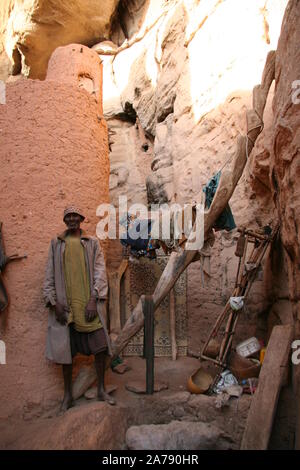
{"x": 75, "y": 290}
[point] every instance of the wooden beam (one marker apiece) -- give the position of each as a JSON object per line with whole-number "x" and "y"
{"x": 264, "y": 403}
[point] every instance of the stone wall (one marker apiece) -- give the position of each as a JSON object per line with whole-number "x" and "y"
{"x": 30, "y": 30}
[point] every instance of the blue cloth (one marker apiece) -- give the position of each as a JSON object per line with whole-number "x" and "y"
{"x": 225, "y": 220}
{"x": 139, "y": 246}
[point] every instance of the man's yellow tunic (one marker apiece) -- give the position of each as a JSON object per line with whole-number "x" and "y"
{"x": 77, "y": 285}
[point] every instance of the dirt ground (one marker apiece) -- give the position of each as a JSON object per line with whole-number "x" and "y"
{"x": 88, "y": 417}
{"x": 173, "y": 373}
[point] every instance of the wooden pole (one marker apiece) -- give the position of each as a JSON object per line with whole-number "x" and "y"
{"x": 173, "y": 325}
{"x": 148, "y": 310}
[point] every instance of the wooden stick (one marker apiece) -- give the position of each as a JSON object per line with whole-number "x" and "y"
{"x": 242, "y": 265}
{"x": 253, "y": 273}
{"x": 226, "y": 336}
{"x": 173, "y": 325}
{"x": 228, "y": 346}
{"x": 254, "y": 234}
{"x": 215, "y": 361}
{"x": 148, "y": 311}
{"x": 215, "y": 328}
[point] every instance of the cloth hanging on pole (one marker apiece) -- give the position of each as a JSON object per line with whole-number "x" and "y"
{"x": 225, "y": 221}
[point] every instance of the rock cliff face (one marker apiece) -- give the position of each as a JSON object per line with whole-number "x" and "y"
{"x": 285, "y": 150}
{"x": 187, "y": 76}
{"x": 30, "y": 30}
{"x": 186, "y": 72}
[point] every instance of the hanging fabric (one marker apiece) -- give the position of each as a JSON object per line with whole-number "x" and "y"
{"x": 225, "y": 220}
{"x": 143, "y": 245}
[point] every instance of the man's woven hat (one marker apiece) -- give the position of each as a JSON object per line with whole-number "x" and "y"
{"x": 73, "y": 210}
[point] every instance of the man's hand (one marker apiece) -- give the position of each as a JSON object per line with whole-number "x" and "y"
{"x": 91, "y": 310}
{"x": 61, "y": 313}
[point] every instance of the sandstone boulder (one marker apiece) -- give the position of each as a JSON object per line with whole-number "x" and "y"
{"x": 95, "y": 426}
{"x": 177, "y": 435}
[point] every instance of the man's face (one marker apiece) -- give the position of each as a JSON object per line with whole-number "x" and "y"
{"x": 72, "y": 221}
